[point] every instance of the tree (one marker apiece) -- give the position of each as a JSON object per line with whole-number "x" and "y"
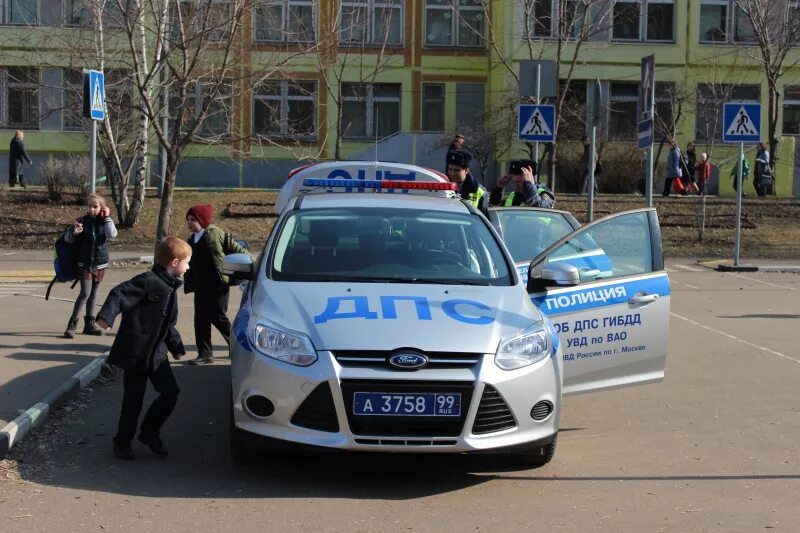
{"x": 354, "y": 48}
{"x": 190, "y": 50}
{"x": 776, "y": 31}
{"x": 559, "y": 34}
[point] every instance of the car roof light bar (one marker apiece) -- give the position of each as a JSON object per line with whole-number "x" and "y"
{"x": 380, "y": 184}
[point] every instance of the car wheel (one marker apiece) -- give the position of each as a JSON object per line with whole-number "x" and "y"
{"x": 536, "y": 457}
{"x": 240, "y": 447}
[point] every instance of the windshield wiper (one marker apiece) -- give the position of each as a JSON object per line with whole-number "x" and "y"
{"x": 392, "y": 279}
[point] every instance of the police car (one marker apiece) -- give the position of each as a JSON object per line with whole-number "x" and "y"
{"x": 386, "y": 314}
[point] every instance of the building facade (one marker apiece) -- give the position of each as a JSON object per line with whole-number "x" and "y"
{"x": 346, "y": 77}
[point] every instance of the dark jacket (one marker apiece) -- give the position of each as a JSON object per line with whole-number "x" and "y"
{"x": 149, "y": 308}
{"x": 16, "y": 156}
{"x": 91, "y": 245}
{"x": 205, "y": 267}
{"x": 526, "y": 198}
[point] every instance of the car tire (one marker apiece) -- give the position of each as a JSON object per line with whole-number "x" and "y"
{"x": 240, "y": 443}
{"x": 538, "y": 456}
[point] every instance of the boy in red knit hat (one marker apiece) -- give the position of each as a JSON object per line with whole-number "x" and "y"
{"x": 210, "y": 245}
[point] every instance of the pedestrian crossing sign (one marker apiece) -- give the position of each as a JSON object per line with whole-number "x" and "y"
{"x": 94, "y": 95}
{"x": 537, "y": 123}
{"x": 741, "y": 123}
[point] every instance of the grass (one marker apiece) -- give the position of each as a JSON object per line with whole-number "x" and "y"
{"x": 770, "y": 228}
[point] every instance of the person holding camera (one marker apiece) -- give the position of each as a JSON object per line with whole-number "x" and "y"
{"x": 90, "y": 235}
{"x": 526, "y": 191}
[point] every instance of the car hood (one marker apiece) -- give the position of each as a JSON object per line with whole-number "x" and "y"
{"x": 386, "y": 316}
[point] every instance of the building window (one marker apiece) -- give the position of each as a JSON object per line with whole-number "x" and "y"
{"x": 370, "y": 110}
{"x": 717, "y": 17}
{"x": 285, "y": 109}
{"x": 791, "y": 110}
{"x": 18, "y": 12}
{"x": 213, "y": 20}
{"x": 19, "y": 97}
{"x": 542, "y": 18}
{"x": 710, "y": 97}
{"x": 217, "y": 123}
{"x": 78, "y": 14}
{"x": 644, "y": 20}
{"x": 433, "y": 107}
{"x": 118, "y": 100}
{"x": 284, "y": 21}
{"x": 372, "y": 22}
{"x": 454, "y": 23}
{"x": 623, "y": 109}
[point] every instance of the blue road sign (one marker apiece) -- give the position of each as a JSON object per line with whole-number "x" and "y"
{"x": 97, "y": 95}
{"x": 645, "y": 131}
{"x": 537, "y": 123}
{"x": 741, "y": 123}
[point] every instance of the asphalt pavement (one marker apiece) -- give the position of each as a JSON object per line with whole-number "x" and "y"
{"x": 712, "y": 448}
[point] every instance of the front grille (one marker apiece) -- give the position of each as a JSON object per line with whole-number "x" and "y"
{"x": 406, "y": 442}
{"x": 406, "y": 426}
{"x": 377, "y": 359}
{"x": 317, "y": 411}
{"x": 493, "y": 413}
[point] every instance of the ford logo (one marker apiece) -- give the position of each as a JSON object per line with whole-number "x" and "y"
{"x": 408, "y": 361}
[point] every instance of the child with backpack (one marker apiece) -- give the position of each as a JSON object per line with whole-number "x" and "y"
{"x": 90, "y": 235}
{"x": 205, "y": 279}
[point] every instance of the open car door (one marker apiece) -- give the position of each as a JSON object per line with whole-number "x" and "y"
{"x": 605, "y": 289}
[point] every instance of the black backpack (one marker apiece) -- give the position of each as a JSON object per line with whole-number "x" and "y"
{"x": 63, "y": 263}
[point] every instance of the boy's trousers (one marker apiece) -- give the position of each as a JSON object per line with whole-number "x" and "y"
{"x": 210, "y": 307}
{"x": 135, "y": 384}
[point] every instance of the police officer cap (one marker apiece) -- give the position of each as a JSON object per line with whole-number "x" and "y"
{"x": 516, "y": 166}
{"x": 459, "y": 158}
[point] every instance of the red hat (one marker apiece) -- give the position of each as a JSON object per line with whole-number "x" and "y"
{"x": 202, "y": 213}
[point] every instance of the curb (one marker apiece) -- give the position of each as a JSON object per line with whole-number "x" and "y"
{"x": 16, "y": 430}
{"x": 133, "y": 260}
{"x": 759, "y": 268}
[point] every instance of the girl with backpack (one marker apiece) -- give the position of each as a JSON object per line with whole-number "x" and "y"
{"x": 90, "y": 235}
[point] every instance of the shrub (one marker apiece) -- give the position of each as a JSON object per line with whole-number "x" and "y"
{"x": 623, "y": 165}
{"x": 67, "y": 179}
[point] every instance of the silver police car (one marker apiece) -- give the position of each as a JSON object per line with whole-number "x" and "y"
{"x": 386, "y": 314}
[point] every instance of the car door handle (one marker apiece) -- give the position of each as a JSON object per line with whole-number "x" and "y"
{"x": 642, "y": 299}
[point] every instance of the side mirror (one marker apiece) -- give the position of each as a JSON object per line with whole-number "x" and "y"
{"x": 240, "y": 266}
{"x": 548, "y": 274}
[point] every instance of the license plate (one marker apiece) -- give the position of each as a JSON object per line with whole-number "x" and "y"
{"x": 406, "y": 404}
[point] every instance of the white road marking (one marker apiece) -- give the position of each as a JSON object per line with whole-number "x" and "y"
{"x": 693, "y": 287}
{"x": 688, "y": 268}
{"x": 762, "y": 281}
{"x": 737, "y": 339}
{"x": 669, "y": 269}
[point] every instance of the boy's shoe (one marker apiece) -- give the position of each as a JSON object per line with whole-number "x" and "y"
{"x": 204, "y": 360}
{"x": 90, "y": 328}
{"x": 156, "y": 446}
{"x": 72, "y": 325}
{"x": 124, "y": 451}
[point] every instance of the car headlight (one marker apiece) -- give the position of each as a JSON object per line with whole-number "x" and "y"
{"x": 529, "y": 346}
{"x": 289, "y": 347}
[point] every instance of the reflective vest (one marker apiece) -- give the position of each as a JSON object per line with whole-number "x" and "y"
{"x": 475, "y": 197}
{"x": 509, "y": 200}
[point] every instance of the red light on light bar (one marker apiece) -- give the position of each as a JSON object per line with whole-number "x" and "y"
{"x": 298, "y": 169}
{"x": 418, "y": 185}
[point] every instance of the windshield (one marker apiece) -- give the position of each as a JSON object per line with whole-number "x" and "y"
{"x": 388, "y": 245}
{"x": 527, "y": 233}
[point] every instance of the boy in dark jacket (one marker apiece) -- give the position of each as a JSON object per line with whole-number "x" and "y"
{"x": 149, "y": 308}
{"x": 209, "y": 245}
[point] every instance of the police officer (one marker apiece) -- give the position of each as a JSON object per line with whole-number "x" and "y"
{"x": 527, "y": 191}
{"x": 468, "y": 186}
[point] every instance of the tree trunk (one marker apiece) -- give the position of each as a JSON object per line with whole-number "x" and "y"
{"x": 337, "y": 148}
{"x": 139, "y": 171}
{"x": 165, "y": 211}
{"x": 772, "y": 126}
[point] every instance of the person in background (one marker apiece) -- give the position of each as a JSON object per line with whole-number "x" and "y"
{"x": 206, "y": 280}
{"x": 469, "y": 188}
{"x": 458, "y": 143}
{"x": 688, "y": 168}
{"x": 674, "y": 163}
{"x": 703, "y": 174}
{"x": 763, "y": 172}
{"x": 745, "y": 173}
{"x": 16, "y": 158}
{"x": 90, "y": 235}
{"x": 526, "y": 190}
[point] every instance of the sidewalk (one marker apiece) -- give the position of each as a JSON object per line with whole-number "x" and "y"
{"x": 35, "y": 360}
